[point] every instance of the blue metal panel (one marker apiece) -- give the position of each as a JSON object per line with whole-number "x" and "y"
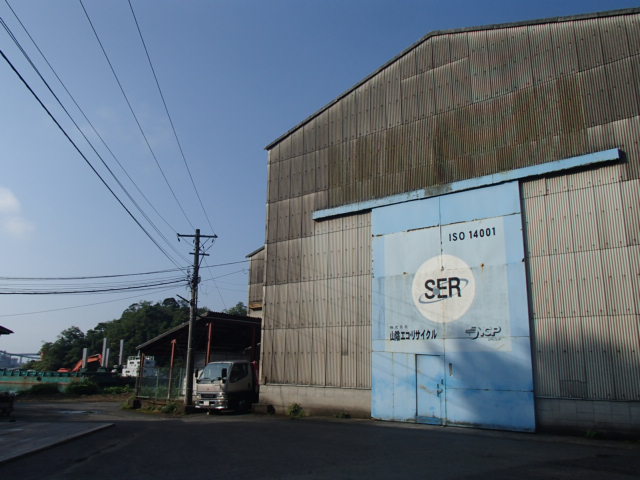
{"x": 430, "y": 389}
{"x": 481, "y": 203}
{"x": 597, "y": 158}
{"x": 518, "y": 300}
{"x": 402, "y": 253}
{"x": 393, "y": 393}
{"x": 405, "y": 216}
{"x": 404, "y": 387}
{"x": 382, "y": 385}
{"x": 497, "y": 370}
{"x": 514, "y": 247}
{"x": 482, "y": 325}
{"x": 378, "y": 295}
{"x": 511, "y": 410}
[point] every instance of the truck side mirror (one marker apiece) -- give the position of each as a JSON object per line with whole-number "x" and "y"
{"x": 224, "y": 374}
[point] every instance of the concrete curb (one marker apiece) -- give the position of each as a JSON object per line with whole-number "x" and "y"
{"x": 21, "y": 450}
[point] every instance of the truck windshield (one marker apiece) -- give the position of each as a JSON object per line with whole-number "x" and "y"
{"x": 213, "y": 371}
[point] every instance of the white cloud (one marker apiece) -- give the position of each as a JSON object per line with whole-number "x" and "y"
{"x": 11, "y": 220}
{"x": 17, "y": 226}
{"x": 9, "y": 204}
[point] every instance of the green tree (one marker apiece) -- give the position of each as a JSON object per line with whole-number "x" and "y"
{"x": 65, "y": 351}
{"x": 239, "y": 309}
{"x": 139, "y": 323}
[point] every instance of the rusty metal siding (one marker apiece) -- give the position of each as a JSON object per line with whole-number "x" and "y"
{"x": 542, "y": 287}
{"x": 584, "y": 283}
{"x": 393, "y": 96}
{"x": 597, "y": 107}
{"x": 571, "y": 358}
{"x": 278, "y": 374}
{"x": 632, "y": 24}
{"x": 613, "y": 35}
{"x": 295, "y": 218}
{"x": 306, "y": 304}
{"x": 547, "y": 377}
{"x": 296, "y": 176}
{"x": 542, "y": 61}
{"x": 294, "y": 258}
{"x": 519, "y": 66}
{"x": 618, "y": 282}
{"x": 305, "y": 349}
{"x": 588, "y": 44}
{"x": 622, "y": 88}
{"x": 479, "y": 65}
{"x": 319, "y": 356}
{"x": 590, "y": 280}
{"x": 291, "y": 356}
{"x": 272, "y": 182}
{"x": 630, "y": 192}
{"x": 558, "y": 226}
{"x": 610, "y": 220}
{"x": 598, "y": 355}
{"x": 280, "y": 306}
{"x": 320, "y": 303}
{"x": 565, "y": 52}
{"x": 626, "y": 357}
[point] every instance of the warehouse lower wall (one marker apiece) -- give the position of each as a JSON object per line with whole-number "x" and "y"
{"x": 318, "y": 400}
{"x": 591, "y": 417}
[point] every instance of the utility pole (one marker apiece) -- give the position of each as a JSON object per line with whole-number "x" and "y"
{"x": 193, "y": 310}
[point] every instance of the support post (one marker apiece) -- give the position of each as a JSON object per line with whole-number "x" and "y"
{"x": 173, "y": 356}
{"x": 85, "y": 354}
{"x": 104, "y": 351}
{"x": 140, "y": 374}
{"x": 121, "y": 356}
{"x": 209, "y": 342}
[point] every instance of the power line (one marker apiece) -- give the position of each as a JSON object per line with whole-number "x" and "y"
{"x": 26, "y": 84}
{"x": 35, "y": 68}
{"x": 85, "y": 116}
{"x": 166, "y": 109}
{"x": 163, "y": 289}
{"x": 101, "y": 290}
{"x": 134, "y": 115}
{"x": 89, "y": 277}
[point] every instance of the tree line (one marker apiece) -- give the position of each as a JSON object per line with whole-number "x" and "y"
{"x": 140, "y": 322}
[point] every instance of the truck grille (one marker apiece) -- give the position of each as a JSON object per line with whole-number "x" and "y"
{"x": 209, "y": 395}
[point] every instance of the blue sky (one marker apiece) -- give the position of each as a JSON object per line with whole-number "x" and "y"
{"x": 235, "y": 75}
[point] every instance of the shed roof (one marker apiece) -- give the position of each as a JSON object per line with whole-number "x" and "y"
{"x": 5, "y": 331}
{"x": 231, "y": 333}
{"x": 585, "y": 16}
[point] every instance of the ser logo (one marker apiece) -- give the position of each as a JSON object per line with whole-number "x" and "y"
{"x": 443, "y": 288}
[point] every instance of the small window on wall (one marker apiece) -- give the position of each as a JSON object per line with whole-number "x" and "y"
{"x": 238, "y": 372}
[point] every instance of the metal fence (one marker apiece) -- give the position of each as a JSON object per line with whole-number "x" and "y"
{"x": 159, "y": 385}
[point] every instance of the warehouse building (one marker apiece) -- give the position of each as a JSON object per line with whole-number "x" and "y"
{"x": 456, "y": 239}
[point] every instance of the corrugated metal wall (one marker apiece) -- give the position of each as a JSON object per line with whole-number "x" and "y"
{"x": 456, "y": 106}
{"x": 583, "y": 255}
{"x": 256, "y": 279}
{"x": 317, "y": 322}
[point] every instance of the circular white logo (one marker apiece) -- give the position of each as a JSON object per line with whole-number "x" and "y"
{"x": 443, "y": 288}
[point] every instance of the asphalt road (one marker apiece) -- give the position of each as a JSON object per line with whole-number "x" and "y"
{"x": 142, "y": 446}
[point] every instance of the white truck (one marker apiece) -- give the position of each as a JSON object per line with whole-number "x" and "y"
{"x": 226, "y": 385}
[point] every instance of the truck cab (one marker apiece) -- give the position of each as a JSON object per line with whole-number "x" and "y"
{"x": 226, "y": 385}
